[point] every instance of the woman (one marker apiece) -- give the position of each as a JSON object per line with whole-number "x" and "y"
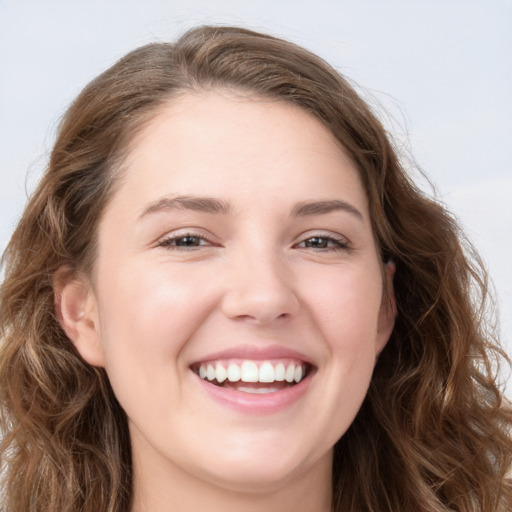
{"x": 226, "y": 294}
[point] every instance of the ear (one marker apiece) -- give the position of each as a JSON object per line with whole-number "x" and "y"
{"x": 388, "y": 312}
{"x": 77, "y": 311}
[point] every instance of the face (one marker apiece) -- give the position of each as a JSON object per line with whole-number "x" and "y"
{"x": 237, "y": 297}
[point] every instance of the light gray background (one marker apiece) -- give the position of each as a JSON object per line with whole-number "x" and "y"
{"x": 441, "y": 68}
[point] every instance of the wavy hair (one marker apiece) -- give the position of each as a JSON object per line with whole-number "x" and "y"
{"x": 434, "y": 432}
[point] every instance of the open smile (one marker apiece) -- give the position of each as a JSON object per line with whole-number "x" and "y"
{"x": 256, "y": 384}
{"x": 253, "y": 376}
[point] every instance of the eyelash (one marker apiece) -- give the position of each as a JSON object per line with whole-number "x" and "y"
{"x": 170, "y": 242}
{"x": 333, "y": 244}
{"x": 336, "y": 244}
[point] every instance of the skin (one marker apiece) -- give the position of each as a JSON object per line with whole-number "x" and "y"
{"x": 258, "y": 277}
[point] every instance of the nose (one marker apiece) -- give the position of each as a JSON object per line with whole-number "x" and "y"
{"x": 260, "y": 290}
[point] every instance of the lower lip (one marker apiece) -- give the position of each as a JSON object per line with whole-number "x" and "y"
{"x": 266, "y": 403}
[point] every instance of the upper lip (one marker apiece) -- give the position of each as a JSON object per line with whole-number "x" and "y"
{"x": 255, "y": 353}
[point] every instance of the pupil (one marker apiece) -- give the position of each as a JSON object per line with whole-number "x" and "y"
{"x": 317, "y": 242}
{"x": 187, "y": 241}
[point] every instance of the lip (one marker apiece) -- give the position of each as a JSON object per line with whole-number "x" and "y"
{"x": 255, "y": 353}
{"x": 249, "y": 403}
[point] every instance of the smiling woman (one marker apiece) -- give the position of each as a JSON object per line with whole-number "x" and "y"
{"x": 226, "y": 294}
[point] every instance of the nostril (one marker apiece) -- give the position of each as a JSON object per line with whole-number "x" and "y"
{"x": 260, "y": 312}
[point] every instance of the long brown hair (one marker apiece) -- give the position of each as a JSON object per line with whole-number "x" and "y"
{"x": 433, "y": 433}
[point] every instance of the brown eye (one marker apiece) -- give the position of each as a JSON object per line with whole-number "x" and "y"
{"x": 323, "y": 243}
{"x": 317, "y": 242}
{"x": 186, "y": 241}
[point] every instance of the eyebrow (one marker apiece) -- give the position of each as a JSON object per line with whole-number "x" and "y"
{"x": 216, "y": 206}
{"x": 198, "y": 204}
{"x": 306, "y": 208}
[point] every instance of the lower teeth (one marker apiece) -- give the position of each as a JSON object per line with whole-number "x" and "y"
{"x": 253, "y": 387}
{"x": 257, "y": 390}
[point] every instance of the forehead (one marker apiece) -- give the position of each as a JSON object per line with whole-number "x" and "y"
{"x": 225, "y": 143}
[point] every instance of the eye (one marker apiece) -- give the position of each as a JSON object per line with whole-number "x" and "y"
{"x": 187, "y": 241}
{"x": 324, "y": 243}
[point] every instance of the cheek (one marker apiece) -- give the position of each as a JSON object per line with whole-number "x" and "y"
{"x": 342, "y": 305}
{"x": 345, "y": 304}
{"x": 147, "y": 318}
{"x": 149, "y": 315}
{"x": 345, "y": 307}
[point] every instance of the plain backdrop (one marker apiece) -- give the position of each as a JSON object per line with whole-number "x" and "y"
{"x": 441, "y": 69}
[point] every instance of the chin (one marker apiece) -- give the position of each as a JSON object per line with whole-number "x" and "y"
{"x": 250, "y": 479}
{"x": 260, "y": 470}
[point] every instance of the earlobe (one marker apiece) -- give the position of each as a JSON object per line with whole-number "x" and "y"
{"x": 76, "y": 310}
{"x": 388, "y": 311}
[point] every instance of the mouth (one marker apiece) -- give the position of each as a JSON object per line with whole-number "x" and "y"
{"x": 253, "y": 376}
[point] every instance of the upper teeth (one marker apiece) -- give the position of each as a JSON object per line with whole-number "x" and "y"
{"x": 248, "y": 371}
